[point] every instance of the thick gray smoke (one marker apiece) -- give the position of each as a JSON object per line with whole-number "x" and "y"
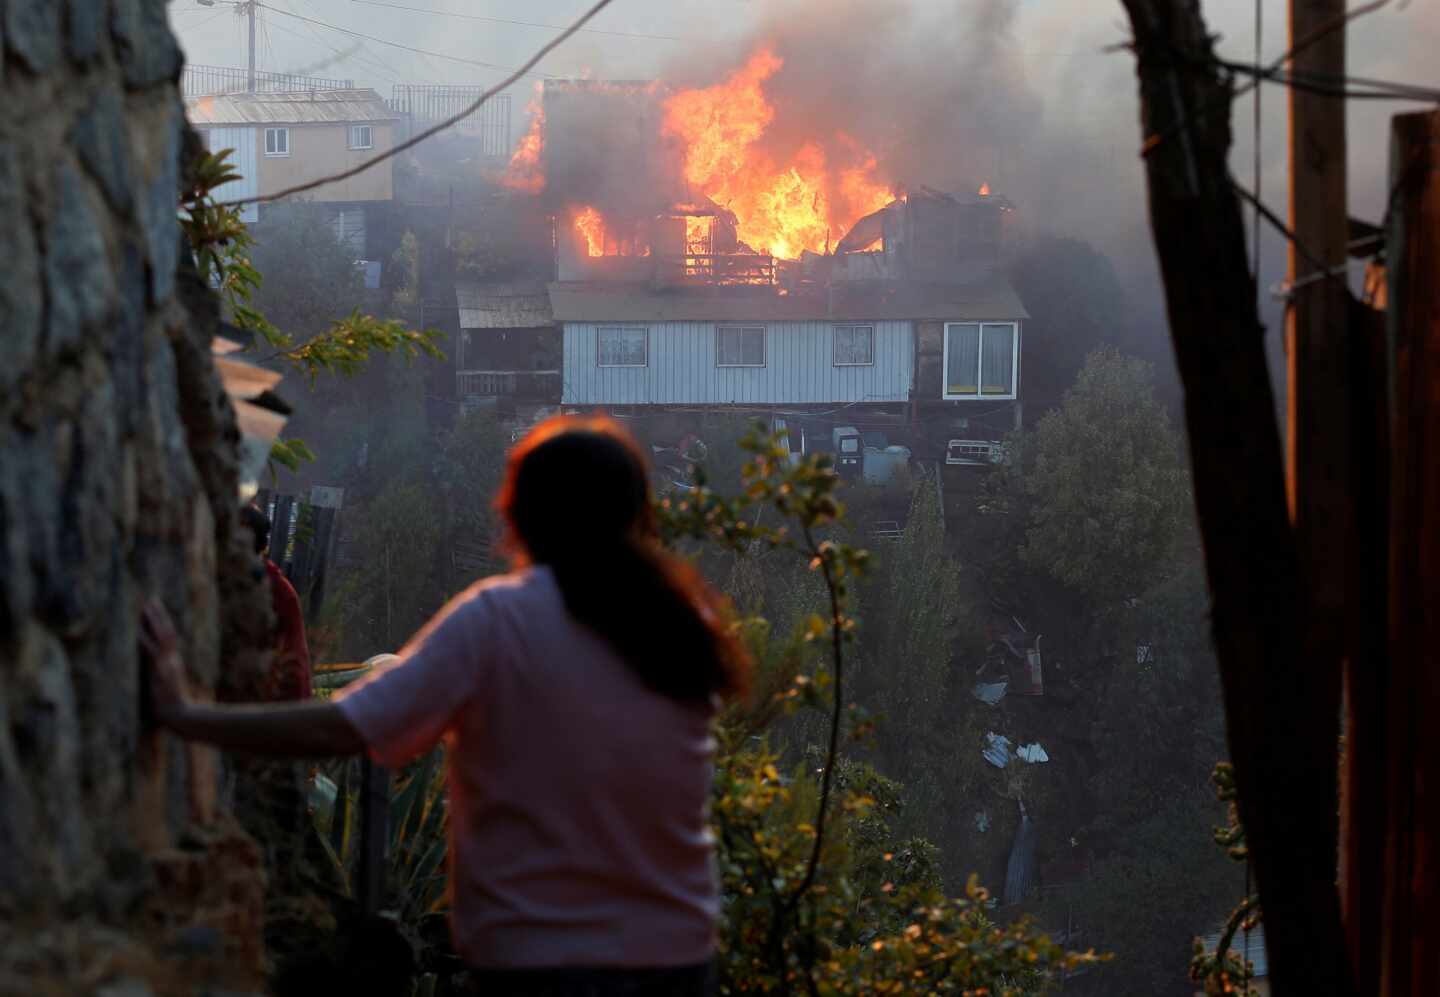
{"x": 942, "y": 102}
{"x": 1019, "y": 93}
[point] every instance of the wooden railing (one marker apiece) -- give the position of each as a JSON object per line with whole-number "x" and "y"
{"x": 539, "y": 385}
{"x": 728, "y": 268}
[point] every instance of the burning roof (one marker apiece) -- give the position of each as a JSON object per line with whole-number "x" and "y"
{"x": 611, "y": 155}
{"x": 726, "y": 183}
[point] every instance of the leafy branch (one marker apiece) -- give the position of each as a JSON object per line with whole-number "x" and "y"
{"x": 1219, "y": 971}
{"x": 802, "y": 492}
{"x": 221, "y": 244}
{"x": 346, "y": 347}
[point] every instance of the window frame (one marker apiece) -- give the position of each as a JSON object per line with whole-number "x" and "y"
{"x": 835, "y": 360}
{"x": 980, "y": 394}
{"x": 369, "y": 136}
{"x": 720, "y": 330}
{"x": 599, "y": 347}
{"x": 277, "y": 131}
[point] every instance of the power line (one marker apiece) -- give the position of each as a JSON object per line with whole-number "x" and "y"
{"x": 1153, "y": 141}
{"x": 357, "y": 52}
{"x": 1348, "y": 87}
{"x": 354, "y": 53}
{"x": 506, "y": 20}
{"x": 392, "y": 44}
{"x": 437, "y": 128}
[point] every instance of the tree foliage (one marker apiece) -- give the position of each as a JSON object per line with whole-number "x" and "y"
{"x": 1108, "y": 495}
{"x": 797, "y": 916}
{"x": 313, "y": 282}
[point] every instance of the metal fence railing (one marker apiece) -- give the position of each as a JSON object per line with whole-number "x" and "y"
{"x": 200, "y": 80}
{"x": 425, "y": 104}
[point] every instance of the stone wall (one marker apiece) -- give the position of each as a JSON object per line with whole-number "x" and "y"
{"x": 117, "y": 481}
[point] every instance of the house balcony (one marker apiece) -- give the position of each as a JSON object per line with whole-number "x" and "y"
{"x": 519, "y": 385}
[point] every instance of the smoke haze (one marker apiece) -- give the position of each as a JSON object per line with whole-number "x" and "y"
{"x": 1019, "y": 93}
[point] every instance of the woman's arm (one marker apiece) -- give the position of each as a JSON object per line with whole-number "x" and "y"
{"x": 293, "y": 730}
{"x": 287, "y": 730}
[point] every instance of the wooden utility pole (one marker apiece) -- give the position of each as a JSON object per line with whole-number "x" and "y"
{"x": 250, "y": 75}
{"x": 1281, "y": 706}
{"x": 1409, "y": 946}
{"x": 1321, "y": 400}
{"x": 1318, "y": 405}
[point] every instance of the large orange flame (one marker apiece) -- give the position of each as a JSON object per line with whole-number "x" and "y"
{"x": 526, "y": 172}
{"x": 780, "y": 210}
{"x": 591, "y": 227}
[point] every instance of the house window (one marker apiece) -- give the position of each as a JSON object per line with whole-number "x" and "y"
{"x": 623, "y": 346}
{"x": 980, "y": 359}
{"x": 854, "y": 345}
{"x": 740, "y": 346}
{"x": 361, "y": 137}
{"x": 277, "y": 141}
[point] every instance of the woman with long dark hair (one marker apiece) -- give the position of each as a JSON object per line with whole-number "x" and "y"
{"x": 575, "y": 695}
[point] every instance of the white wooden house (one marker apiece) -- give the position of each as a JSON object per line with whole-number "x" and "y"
{"x": 853, "y": 344}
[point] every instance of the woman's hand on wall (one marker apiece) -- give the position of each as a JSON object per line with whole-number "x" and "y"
{"x": 161, "y": 644}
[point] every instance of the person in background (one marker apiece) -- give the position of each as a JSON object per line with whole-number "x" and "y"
{"x": 289, "y": 677}
{"x": 575, "y": 695}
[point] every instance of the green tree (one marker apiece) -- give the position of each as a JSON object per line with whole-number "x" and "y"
{"x": 391, "y": 590}
{"x": 796, "y": 916}
{"x": 912, "y": 610}
{"x": 468, "y": 470}
{"x": 310, "y": 276}
{"x": 1108, "y": 495}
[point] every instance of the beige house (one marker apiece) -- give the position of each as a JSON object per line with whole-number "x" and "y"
{"x": 284, "y": 139}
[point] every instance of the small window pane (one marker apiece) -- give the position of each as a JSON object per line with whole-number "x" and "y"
{"x": 854, "y": 344}
{"x": 997, "y": 360}
{"x": 962, "y": 355}
{"x": 277, "y": 141}
{"x": 360, "y": 137}
{"x": 740, "y": 347}
{"x": 620, "y": 347}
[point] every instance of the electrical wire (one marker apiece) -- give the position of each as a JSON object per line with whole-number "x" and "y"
{"x": 1349, "y": 87}
{"x": 197, "y": 25}
{"x": 399, "y": 45}
{"x": 506, "y": 20}
{"x": 437, "y": 128}
{"x": 1152, "y": 142}
{"x": 354, "y": 53}
{"x": 1280, "y": 226}
{"x": 358, "y": 53}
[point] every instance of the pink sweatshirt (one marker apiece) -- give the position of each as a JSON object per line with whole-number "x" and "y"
{"x": 578, "y": 831}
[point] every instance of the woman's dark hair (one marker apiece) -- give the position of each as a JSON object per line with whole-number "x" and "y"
{"x": 252, "y": 517}
{"x": 576, "y": 498}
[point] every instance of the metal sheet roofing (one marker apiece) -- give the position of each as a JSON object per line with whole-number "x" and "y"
{"x": 503, "y": 306}
{"x": 991, "y": 298}
{"x": 298, "y": 108}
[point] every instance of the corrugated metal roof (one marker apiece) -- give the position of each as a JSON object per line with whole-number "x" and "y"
{"x": 991, "y": 298}
{"x": 306, "y": 107}
{"x": 503, "y": 306}
{"x": 1255, "y": 949}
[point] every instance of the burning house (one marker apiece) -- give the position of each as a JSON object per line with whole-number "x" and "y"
{"x": 698, "y": 266}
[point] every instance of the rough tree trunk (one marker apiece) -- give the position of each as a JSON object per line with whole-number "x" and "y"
{"x": 1281, "y": 711}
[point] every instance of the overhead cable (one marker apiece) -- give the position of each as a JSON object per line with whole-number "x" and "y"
{"x": 435, "y": 129}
